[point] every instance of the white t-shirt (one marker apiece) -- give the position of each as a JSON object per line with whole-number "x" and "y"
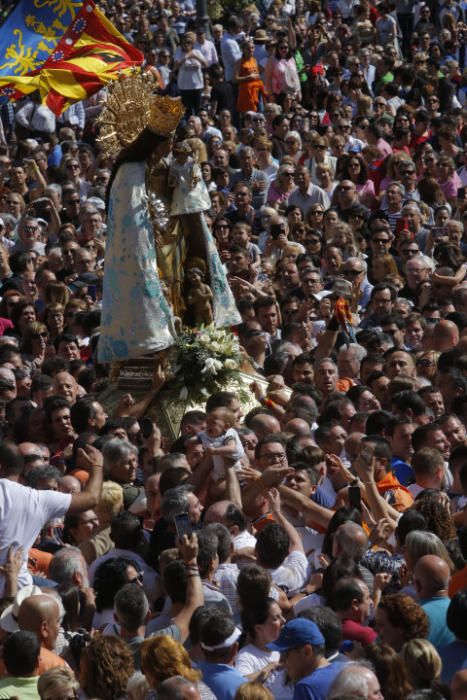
{"x": 293, "y": 573}
{"x": 251, "y": 659}
{"x": 23, "y": 513}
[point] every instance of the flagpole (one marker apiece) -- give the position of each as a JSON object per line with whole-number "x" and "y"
{"x": 202, "y": 16}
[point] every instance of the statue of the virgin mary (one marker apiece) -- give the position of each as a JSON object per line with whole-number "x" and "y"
{"x": 148, "y": 248}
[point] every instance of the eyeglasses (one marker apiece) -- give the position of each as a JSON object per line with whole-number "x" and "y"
{"x": 73, "y": 166}
{"x": 410, "y": 251}
{"x": 31, "y": 229}
{"x": 352, "y": 273}
{"x": 72, "y": 201}
{"x": 288, "y": 174}
{"x": 382, "y": 241}
{"x": 318, "y": 211}
{"x": 344, "y": 127}
{"x": 137, "y": 579}
{"x": 219, "y": 226}
{"x": 425, "y": 362}
{"x": 272, "y": 457}
{"x": 319, "y": 147}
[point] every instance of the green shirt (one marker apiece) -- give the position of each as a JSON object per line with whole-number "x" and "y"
{"x": 24, "y": 688}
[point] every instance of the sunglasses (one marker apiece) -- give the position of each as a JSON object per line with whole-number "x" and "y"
{"x": 42, "y": 334}
{"x": 352, "y": 273}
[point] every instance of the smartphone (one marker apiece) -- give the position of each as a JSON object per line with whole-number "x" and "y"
{"x": 146, "y": 426}
{"x": 276, "y": 230}
{"x": 92, "y": 290}
{"x": 355, "y": 497}
{"x": 367, "y": 453}
{"x": 439, "y": 232}
{"x": 183, "y": 525}
{"x": 461, "y": 193}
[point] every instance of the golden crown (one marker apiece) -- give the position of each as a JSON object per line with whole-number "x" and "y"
{"x": 165, "y": 114}
{"x": 130, "y": 107}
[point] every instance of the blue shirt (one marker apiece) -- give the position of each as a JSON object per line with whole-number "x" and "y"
{"x": 453, "y": 656}
{"x": 403, "y": 471}
{"x": 436, "y": 609}
{"x": 316, "y": 686}
{"x": 223, "y": 680}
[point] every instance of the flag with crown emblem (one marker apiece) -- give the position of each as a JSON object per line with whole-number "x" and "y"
{"x": 66, "y": 49}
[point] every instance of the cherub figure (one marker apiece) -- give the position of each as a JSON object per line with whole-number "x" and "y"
{"x": 198, "y": 297}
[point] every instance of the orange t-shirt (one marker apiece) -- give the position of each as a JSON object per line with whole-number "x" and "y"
{"x": 394, "y": 493}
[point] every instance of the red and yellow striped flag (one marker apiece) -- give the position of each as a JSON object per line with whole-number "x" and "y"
{"x": 90, "y": 54}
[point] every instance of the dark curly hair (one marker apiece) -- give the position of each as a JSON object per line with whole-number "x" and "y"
{"x": 406, "y": 615}
{"x": 438, "y": 519}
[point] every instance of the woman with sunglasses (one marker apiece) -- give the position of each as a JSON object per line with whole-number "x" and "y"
{"x": 34, "y": 344}
{"x": 222, "y": 231}
{"x": 281, "y": 75}
{"x": 72, "y": 170}
{"x": 354, "y": 168}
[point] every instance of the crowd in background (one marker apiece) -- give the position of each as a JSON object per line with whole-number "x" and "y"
{"x": 328, "y": 561}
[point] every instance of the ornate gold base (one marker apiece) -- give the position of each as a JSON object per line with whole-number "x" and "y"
{"x": 135, "y": 376}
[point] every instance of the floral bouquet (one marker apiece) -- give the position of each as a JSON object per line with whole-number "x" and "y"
{"x": 207, "y": 360}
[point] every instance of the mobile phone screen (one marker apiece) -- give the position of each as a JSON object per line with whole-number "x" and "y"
{"x": 183, "y": 525}
{"x": 355, "y": 497}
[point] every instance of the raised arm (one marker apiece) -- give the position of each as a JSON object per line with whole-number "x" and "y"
{"x": 274, "y": 500}
{"x": 88, "y": 499}
{"x": 194, "y": 596}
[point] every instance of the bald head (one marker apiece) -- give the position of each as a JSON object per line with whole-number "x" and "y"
{"x": 431, "y": 575}
{"x": 177, "y": 688}
{"x": 297, "y": 426}
{"x": 351, "y": 539}
{"x": 216, "y": 512}
{"x": 263, "y": 425}
{"x": 445, "y": 336}
{"x": 40, "y": 614}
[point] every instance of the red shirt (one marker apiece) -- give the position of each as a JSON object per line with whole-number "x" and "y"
{"x": 356, "y": 632}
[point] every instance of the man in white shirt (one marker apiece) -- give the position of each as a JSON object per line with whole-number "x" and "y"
{"x": 24, "y": 511}
{"x": 428, "y": 468}
{"x": 206, "y": 47}
{"x": 306, "y": 194}
{"x": 230, "y": 48}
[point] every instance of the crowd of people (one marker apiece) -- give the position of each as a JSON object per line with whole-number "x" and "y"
{"x": 314, "y": 547}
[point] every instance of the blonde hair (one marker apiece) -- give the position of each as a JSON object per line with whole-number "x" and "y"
{"x": 422, "y": 662}
{"x": 56, "y": 680}
{"x": 57, "y": 293}
{"x": 418, "y": 543}
{"x": 163, "y": 657}
{"x": 253, "y": 691}
{"x": 31, "y": 330}
{"x": 199, "y": 149}
{"x": 111, "y": 500}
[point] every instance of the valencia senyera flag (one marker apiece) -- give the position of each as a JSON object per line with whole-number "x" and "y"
{"x": 66, "y": 49}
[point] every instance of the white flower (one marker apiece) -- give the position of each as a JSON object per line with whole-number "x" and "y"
{"x": 211, "y": 365}
{"x": 203, "y": 339}
{"x": 230, "y": 364}
{"x": 183, "y": 393}
{"x": 215, "y": 347}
